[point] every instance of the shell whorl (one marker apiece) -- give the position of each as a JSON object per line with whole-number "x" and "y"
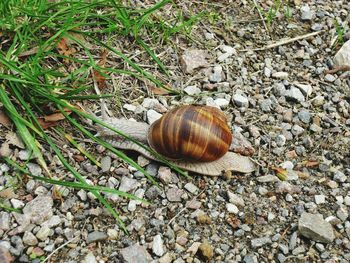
{"x": 191, "y": 133}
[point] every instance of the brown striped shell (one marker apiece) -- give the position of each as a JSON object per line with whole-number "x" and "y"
{"x": 193, "y": 133}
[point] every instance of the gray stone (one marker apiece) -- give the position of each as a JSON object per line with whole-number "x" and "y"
{"x": 320, "y": 199}
{"x": 231, "y": 208}
{"x": 30, "y": 185}
{"x": 235, "y": 199}
{"x": 158, "y": 246}
{"x": 43, "y": 233}
{"x": 288, "y": 165}
{"x": 313, "y": 226}
{"x": 320, "y": 247}
{"x": 315, "y": 128}
{"x": 135, "y": 254}
{"x": 298, "y": 250}
{"x": 297, "y": 130}
{"x": 90, "y": 258}
{"x": 174, "y": 194}
{"x": 152, "y": 116}
{"x": 281, "y": 258}
{"x": 304, "y": 116}
{"x": 281, "y": 140}
{"x": 153, "y": 104}
{"x": 261, "y": 241}
{"x": 192, "y": 90}
{"x": 250, "y": 258}
{"x": 52, "y": 222}
{"x": 49, "y": 248}
{"x": 295, "y": 94}
{"x": 128, "y": 184}
{"x": 293, "y": 240}
{"x": 342, "y": 213}
{"x": 34, "y": 169}
{"x": 96, "y": 236}
{"x": 191, "y": 188}
{"x": 129, "y": 107}
{"x": 82, "y": 195}
{"x": 240, "y": 100}
{"x": 306, "y": 13}
{"x": 339, "y": 177}
{"x": 222, "y": 103}
{"x": 41, "y": 190}
{"x": 39, "y": 209}
{"x": 112, "y": 233}
{"x": 165, "y": 174}
{"x": 283, "y": 248}
{"x": 24, "y": 155}
{"x": 136, "y": 224}
{"x": 267, "y": 72}
{"x": 4, "y": 221}
{"x": 306, "y": 89}
{"x": 329, "y": 78}
{"x": 29, "y": 239}
{"x": 346, "y": 201}
{"x": 153, "y": 192}
{"x": 106, "y": 162}
{"x": 280, "y": 75}
{"x": 266, "y": 105}
{"x": 193, "y": 59}
{"x": 216, "y": 76}
{"x": 227, "y": 52}
{"x": 342, "y": 58}
{"x": 267, "y": 178}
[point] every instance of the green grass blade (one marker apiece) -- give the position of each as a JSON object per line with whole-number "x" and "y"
{"x": 153, "y": 56}
{"x": 75, "y": 185}
{"x": 26, "y": 136}
{"x": 77, "y": 175}
{"x": 81, "y": 149}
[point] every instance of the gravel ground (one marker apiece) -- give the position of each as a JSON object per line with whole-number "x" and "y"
{"x": 293, "y": 113}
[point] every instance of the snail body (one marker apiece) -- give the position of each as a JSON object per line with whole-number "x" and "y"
{"x": 141, "y": 132}
{"x": 191, "y": 133}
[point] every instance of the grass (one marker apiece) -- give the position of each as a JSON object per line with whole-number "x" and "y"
{"x": 340, "y": 31}
{"x": 271, "y": 13}
{"x": 46, "y": 61}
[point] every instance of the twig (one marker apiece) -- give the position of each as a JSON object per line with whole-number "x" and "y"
{"x": 339, "y": 68}
{"x": 261, "y": 16}
{"x": 284, "y": 42}
{"x": 183, "y": 209}
{"x": 61, "y": 246}
{"x": 104, "y": 110}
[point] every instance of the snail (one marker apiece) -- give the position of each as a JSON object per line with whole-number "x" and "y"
{"x": 195, "y": 138}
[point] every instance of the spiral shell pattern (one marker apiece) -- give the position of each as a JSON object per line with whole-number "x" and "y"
{"x": 191, "y": 133}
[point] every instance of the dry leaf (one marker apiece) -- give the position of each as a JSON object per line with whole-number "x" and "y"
{"x": 46, "y": 124}
{"x": 57, "y": 116}
{"x": 56, "y": 194}
{"x": 4, "y": 120}
{"x": 63, "y": 48}
{"x": 233, "y": 221}
{"x": 159, "y": 91}
{"x": 52, "y": 119}
{"x": 311, "y": 164}
{"x": 79, "y": 158}
{"x": 100, "y": 79}
{"x": 13, "y": 139}
{"x": 80, "y": 38}
{"x": 302, "y": 175}
{"x": 280, "y": 173}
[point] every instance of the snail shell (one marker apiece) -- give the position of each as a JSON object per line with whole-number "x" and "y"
{"x": 194, "y": 133}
